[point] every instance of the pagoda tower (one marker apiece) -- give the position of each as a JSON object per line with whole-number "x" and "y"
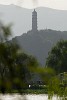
{"x": 34, "y": 21}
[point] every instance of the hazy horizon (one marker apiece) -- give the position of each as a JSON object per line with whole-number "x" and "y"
{"x": 56, "y": 4}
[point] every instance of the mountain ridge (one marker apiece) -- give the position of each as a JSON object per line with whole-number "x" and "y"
{"x": 22, "y": 18}
{"x": 32, "y": 8}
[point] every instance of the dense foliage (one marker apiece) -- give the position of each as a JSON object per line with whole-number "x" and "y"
{"x": 15, "y": 66}
{"x": 57, "y": 58}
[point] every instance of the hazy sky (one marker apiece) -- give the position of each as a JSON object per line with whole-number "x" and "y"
{"x": 56, "y": 4}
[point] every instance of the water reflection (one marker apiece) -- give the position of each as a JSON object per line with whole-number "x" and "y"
{"x": 13, "y": 97}
{"x": 25, "y": 97}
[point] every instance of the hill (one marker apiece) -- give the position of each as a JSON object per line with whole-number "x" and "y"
{"x": 40, "y": 43}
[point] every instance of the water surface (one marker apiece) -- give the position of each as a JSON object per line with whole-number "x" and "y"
{"x": 25, "y": 97}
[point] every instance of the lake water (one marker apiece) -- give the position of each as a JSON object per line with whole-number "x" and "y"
{"x": 25, "y": 97}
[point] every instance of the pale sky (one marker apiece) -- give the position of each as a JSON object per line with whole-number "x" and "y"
{"x": 56, "y": 4}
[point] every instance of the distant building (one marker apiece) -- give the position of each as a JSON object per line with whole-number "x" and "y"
{"x": 34, "y": 21}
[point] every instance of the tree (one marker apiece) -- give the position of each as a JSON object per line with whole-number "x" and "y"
{"x": 15, "y": 66}
{"x": 57, "y": 58}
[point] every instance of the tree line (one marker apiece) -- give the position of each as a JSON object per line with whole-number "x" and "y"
{"x": 16, "y": 67}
